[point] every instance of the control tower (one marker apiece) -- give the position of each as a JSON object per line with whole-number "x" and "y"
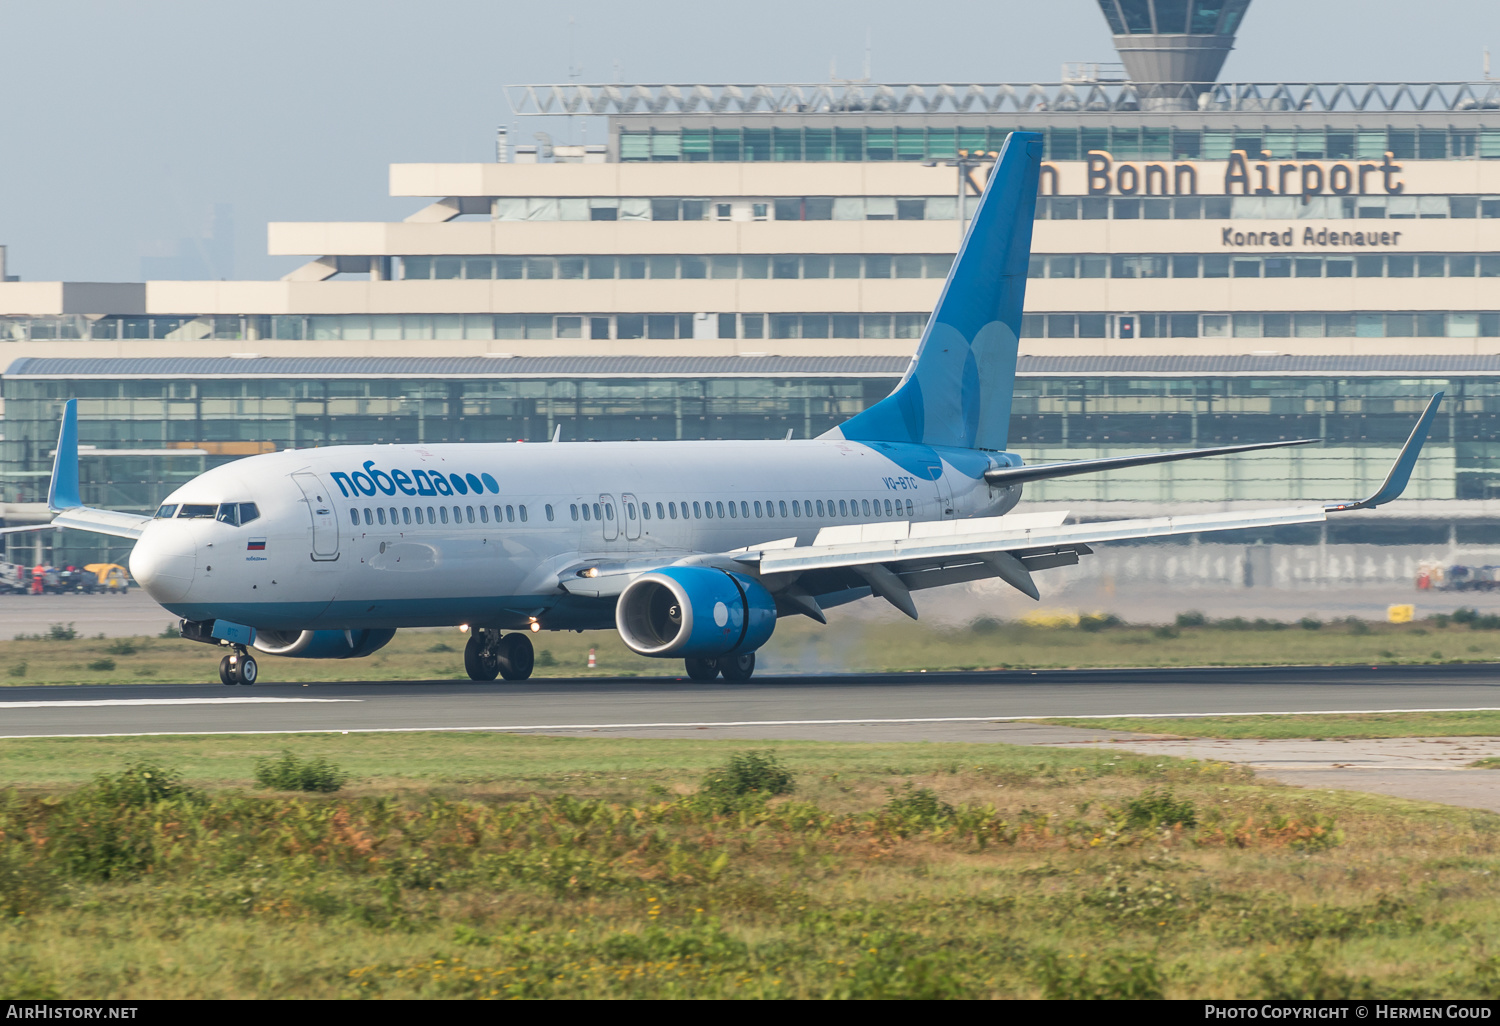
{"x": 1173, "y": 49}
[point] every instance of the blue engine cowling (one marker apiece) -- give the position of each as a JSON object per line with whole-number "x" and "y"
{"x": 694, "y": 611}
{"x": 323, "y": 644}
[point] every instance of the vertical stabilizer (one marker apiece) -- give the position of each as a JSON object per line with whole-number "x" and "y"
{"x": 958, "y": 389}
{"x": 64, "y": 493}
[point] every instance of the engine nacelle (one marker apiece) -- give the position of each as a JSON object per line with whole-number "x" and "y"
{"x": 323, "y": 644}
{"x": 694, "y": 611}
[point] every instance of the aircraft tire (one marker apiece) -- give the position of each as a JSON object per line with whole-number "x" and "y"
{"x": 480, "y": 662}
{"x": 516, "y": 657}
{"x": 737, "y": 668}
{"x": 702, "y": 669}
{"x": 226, "y": 672}
{"x": 249, "y": 670}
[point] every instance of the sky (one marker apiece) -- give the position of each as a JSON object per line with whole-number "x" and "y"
{"x": 125, "y": 122}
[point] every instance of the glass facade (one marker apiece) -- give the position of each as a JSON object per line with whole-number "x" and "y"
{"x": 850, "y": 141}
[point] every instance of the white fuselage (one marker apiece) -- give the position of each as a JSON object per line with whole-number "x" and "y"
{"x": 352, "y": 537}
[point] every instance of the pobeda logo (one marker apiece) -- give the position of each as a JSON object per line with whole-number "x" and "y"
{"x": 418, "y": 482}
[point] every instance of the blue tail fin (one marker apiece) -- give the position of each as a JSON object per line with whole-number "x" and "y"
{"x": 958, "y": 389}
{"x": 63, "y": 492}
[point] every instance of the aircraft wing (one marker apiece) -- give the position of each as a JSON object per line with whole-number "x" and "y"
{"x": 63, "y": 496}
{"x": 894, "y": 559}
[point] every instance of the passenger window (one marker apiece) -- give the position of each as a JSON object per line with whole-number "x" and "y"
{"x": 430, "y": 518}
{"x": 598, "y": 512}
{"x": 782, "y": 504}
{"x": 697, "y": 512}
{"x": 732, "y": 511}
{"x": 198, "y": 512}
{"x": 745, "y": 508}
{"x": 166, "y": 512}
{"x": 864, "y": 506}
{"x": 843, "y": 509}
{"x": 609, "y": 511}
{"x": 672, "y": 510}
{"x": 419, "y": 514}
{"x": 574, "y": 508}
{"x": 229, "y": 513}
{"x": 443, "y": 510}
{"x": 645, "y": 511}
{"x": 380, "y": 514}
{"x": 549, "y": 511}
{"x": 510, "y": 514}
{"x": 796, "y": 508}
{"x": 630, "y": 511}
{"x": 354, "y": 517}
{"x": 523, "y": 514}
{"x": 887, "y": 507}
{"x": 908, "y": 509}
{"x": 393, "y": 515}
{"x": 405, "y": 515}
{"x": 484, "y": 515}
{"x": 757, "y": 509}
{"x": 708, "y": 510}
{"x": 250, "y": 511}
{"x": 369, "y": 517}
{"x": 820, "y": 507}
{"x": 720, "y": 508}
{"x": 471, "y": 513}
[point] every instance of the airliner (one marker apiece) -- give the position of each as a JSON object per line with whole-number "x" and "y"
{"x": 691, "y": 550}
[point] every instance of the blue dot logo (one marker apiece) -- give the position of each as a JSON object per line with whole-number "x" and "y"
{"x": 458, "y": 484}
{"x": 490, "y": 483}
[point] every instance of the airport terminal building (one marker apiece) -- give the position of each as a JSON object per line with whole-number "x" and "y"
{"x": 1214, "y": 262}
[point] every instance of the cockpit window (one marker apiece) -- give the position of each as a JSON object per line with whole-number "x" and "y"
{"x": 248, "y": 512}
{"x": 192, "y": 511}
{"x": 167, "y": 512}
{"x": 229, "y": 513}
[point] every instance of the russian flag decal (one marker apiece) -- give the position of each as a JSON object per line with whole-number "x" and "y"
{"x": 256, "y": 545}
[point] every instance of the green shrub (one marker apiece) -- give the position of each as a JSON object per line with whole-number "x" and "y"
{"x": 916, "y": 807}
{"x": 1192, "y": 618}
{"x": 1094, "y": 622}
{"x": 122, "y": 647}
{"x": 61, "y": 632}
{"x": 441, "y": 646}
{"x": 1465, "y": 614}
{"x": 546, "y": 658}
{"x": 1441, "y": 620}
{"x": 171, "y": 630}
{"x": 1310, "y": 623}
{"x": 1165, "y": 631}
{"x": 747, "y": 775}
{"x": 1115, "y": 976}
{"x": 1233, "y": 623}
{"x": 138, "y": 785}
{"x": 102, "y": 665}
{"x": 290, "y": 773}
{"x": 19, "y": 669}
{"x": 1159, "y": 808}
{"x": 1262, "y": 624}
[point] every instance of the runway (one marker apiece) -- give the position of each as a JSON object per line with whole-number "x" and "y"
{"x": 888, "y": 707}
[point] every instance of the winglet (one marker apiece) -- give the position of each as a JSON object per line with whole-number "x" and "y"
{"x": 63, "y": 493}
{"x": 1395, "y": 481}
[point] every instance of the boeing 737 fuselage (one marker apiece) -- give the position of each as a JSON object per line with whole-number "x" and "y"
{"x": 691, "y": 550}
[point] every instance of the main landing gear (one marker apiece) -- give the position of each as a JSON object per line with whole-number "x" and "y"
{"x": 238, "y": 667}
{"x": 489, "y": 655}
{"x": 734, "y": 668}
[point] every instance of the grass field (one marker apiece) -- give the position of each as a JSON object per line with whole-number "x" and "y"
{"x": 491, "y": 865}
{"x": 1354, "y": 725}
{"x": 798, "y": 645}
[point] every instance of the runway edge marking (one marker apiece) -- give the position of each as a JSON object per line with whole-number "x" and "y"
{"x": 740, "y": 723}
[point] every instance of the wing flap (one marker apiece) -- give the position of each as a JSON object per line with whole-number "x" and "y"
{"x": 977, "y": 544}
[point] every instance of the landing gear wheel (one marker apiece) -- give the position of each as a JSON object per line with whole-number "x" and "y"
{"x": 249, "y": 670}
{"x": 480, "y": 661}
{"x": 737, "y": 668}
{"x": 702, "y": 669}
{"x": 226, "y": 672}
{"x": 516, "y": 657}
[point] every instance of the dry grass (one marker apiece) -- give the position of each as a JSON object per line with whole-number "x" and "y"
{"x": 503, "y": 866}
{"x": 798, "y": 646}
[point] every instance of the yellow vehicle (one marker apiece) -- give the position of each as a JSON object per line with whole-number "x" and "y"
{"x": 112, "y": 577}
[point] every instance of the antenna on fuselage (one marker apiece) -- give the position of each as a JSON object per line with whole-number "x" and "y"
{"x": 557, "y": 435}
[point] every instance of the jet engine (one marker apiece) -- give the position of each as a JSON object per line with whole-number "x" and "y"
{"x": 323, "y": 644}
{"x": 694, "y": 612}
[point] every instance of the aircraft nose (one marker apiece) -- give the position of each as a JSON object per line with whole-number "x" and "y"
{"x": 163, "y": 562}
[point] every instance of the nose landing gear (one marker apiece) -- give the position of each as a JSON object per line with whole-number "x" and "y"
{"x": 489, "y": 654}
{"x": 239, "y": 667}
